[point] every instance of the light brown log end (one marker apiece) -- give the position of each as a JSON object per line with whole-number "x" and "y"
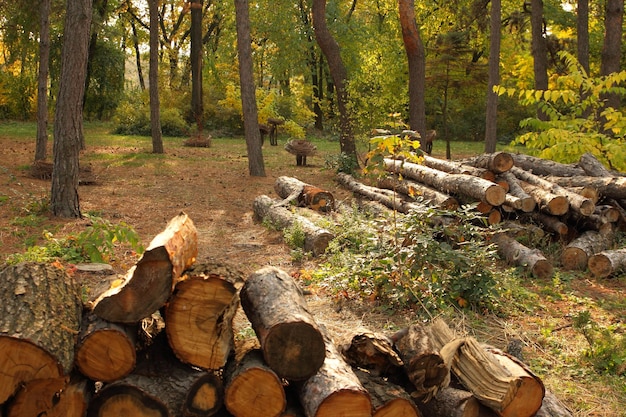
{"x": 542, "y": 269}
{"x": 558, "y": 205}
{"x": 399, "y": 407}
{"x": 501, "y": 162}
{"x": 106, "y": 355}
{"x": 573, "y": 258}
{"x": 586, "y": 207}
{"x": 600, "y": 265}
{"x": 528, "y": 204}
{"x": 256, "y": 392}
{"x": 495, "y": 195}
{"x": 345, "y": 403}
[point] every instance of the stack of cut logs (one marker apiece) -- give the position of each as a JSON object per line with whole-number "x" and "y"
{"x": 160, "y": 342}
{"x": 581, "y": 205}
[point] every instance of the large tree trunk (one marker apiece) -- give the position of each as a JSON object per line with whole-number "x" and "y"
{"x": 416, "y": 57}
{"x": 252, "y": 389}
{"x": 582, "y": 34}
{"x": 155, "y": 101}
{"x": 197, "y": 106}
{"x": 491, "y": 117}
{"x": 200, "y": 313}
{"x": 316, "y": 238}
{"x": 147, "y": 285}
{"x": 292, "y": 343}
{"x": 256, "y": 167}
{"x": 469, "y": 186}
{"x": 40, "y": 314}
{"x": 612, "y": 47}
{"x": 518, "y": 254}
{"x": 339, "y": 74}
{"x": 68, "y": 119}
{"x": 41, "y": 148}
{"x": 539, "y": 50}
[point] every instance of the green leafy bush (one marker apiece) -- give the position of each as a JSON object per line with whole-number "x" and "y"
{"x": 607, "y": 345}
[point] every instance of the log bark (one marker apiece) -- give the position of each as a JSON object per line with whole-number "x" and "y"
{"x": 316, "y": 238}
{"x": 372, "y": 352}
{"x": 451, "y": 402}
{"x": 424, "y": 366}
{"x": 292, "y": 343}
{"x": 52, "y": 397}
{"x": 334, "y": 390}
{"x": 305, "y": 195}
{"x": 592, "y": 167}
{"x": 551, "y": 223}
{"x": 466, "y": 185}
{"x": 552, "y": 407}
{"x": 200, "y": 313}
{"x": 607, "y": 263}
{"x": 453, "y": 167}
{"x": 497, "y": 162}
{"x": 252, "y": 389}
{"x": 582, "y": 205}
{"x": 576, "y": 254}
{"x": 147, "y": 285}
{"x": 105, "y": 351}
{"x": 610, "y": 187}
{"x": 388, "y": 399}
{"x": 416, "y": 190}
{"x": 526, "y": 202}
{"x": 551, "y": 203}
{"x": 516, "y": 253}
{"x": 546, "y": 167}
{"x": 388, "y": 198}
{"x": 40, "y": 314}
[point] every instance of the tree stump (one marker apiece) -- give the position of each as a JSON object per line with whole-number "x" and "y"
{"x": 40, "y": 314}
{"x": 199, "y": 315}
{"x": 147, "y": 285}
{"x": 252, "y": 389}
{"x": 290, "y": 338}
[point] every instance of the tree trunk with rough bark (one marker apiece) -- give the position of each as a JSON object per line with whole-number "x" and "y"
{"x": 523, "y": 201}
{"x": 41, "y": 148}
{"x": 457, "y": 168}
{"x": 611, "y": 187}
{"x": 516, "y": 253}
{"x": 155, "y": 101}
{"x": 416, "y": 190}
{"x": 578, "y": 251}
{"x": 544, "y": 167}
{"x": 491, "y": 117}
{"x": 548, "y": 202}
{"x": 497, "y": 162}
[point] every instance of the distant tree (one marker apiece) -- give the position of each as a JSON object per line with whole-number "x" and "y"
{"x": 41, "y": 148}
{"x": 539, "y": 50}
{"x": 612, "y": 47}
{"x": 197, "y": 107}
{"x": 248, "y": 97}
{"x": 68, "y": 124}
{"x": 155, "y": 103}
{"x": 582, "y": 33}
{"x": 339, "y": 74}
{"x": 491, "y": 118}
{"x": 416, "y": 56}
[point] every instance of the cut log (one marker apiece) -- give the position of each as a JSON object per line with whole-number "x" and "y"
{"x": 316, "y": 238}
{"x": 252, "y": 389}
{"x": 587, "y": 192}
{"x": 551, "y": 203}
{"x": 105, "y": 351}
{"x": 423, "y": 364}
{"x": 388, "y": 198}
{"x": 147, "y": 285}
{"x": 451, "y": 402}
{"x": 517, "y": 254}
{"x": 576, "y": 254}
{"x": 40, "y": 314}
{"x": 607, "y": 263}
{"x": 52, "y": 397}
{"x": 305, "y": 195}
{"x": 545, "y": 167}
{"x": 526, "y": 202}
{"x": 582, "y": 205}
{"x": 497, "y": 162}
{"x": 465, "y": 185}
{"x": 200, "y": 313}
{"x": 553, "y": 407}
{"x": 551, "y": 223}
{"x": 416, "y": 190}
{"x": 497, "y": 380}
{"x": 527, "y": 230}
{"x": 334, "y": 390}
{"x": 388, "y": 399}
{"x": 592, "y": 167}
{"x": 611, "y": 187}
{"x": 372, "y": 352}
{"x": 457, "y": 168}
{"x": 292, "y": 343}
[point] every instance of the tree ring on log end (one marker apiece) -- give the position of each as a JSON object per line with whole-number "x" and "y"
{"x": 126, "y": 400}
{"x": 106, "y": 356}
{"x": 294, "y": 351}
{"x": 343, "y": 402}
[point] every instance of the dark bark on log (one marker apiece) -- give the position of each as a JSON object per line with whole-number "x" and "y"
{"x": 518, "y": 254}
{"x": 551, "y": 223}
{"x": 200, "y": 313}
{"x": 580, "y": 204}
{"x": 388, "y": 399}
{"x": 389, "y": 198}
{"x": 316, "y": 238}
{"x": 305, "y": 195}
{"x": 334, "y": 390}
{"x": 609, "y": 213}
{"x": 497, "y": 162}
{"x": 527, "y": 230}
{"x": 551, "y": 203}
{"x": 465, "y": 185}
{"x": 526, "y": 203}
{"x": 453, "y": 167}
{"x": 451, "y": 402}
{"x": 607, "y": 263}
{"x": 416, "y": 190}
{"x": 105, "y": 351}
{"x": 52, "y": 398}
{"x": 576, "y": 254}
{"x": 372, "y": 352}
{"x": 292, "y": 343}
{"x": 552, "y": 407}
{"x": 40, "y": 314}
{"x": 610, "y": 187}
{"x": 592, "y": 167}
{"x": 423, "y": 364}
{"x": 148, "y": 285}
{"x": 545, "y": 167}
{"x": 252, "y": 389}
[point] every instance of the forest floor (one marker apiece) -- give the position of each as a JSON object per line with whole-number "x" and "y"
{"x": 213, "y": 187}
